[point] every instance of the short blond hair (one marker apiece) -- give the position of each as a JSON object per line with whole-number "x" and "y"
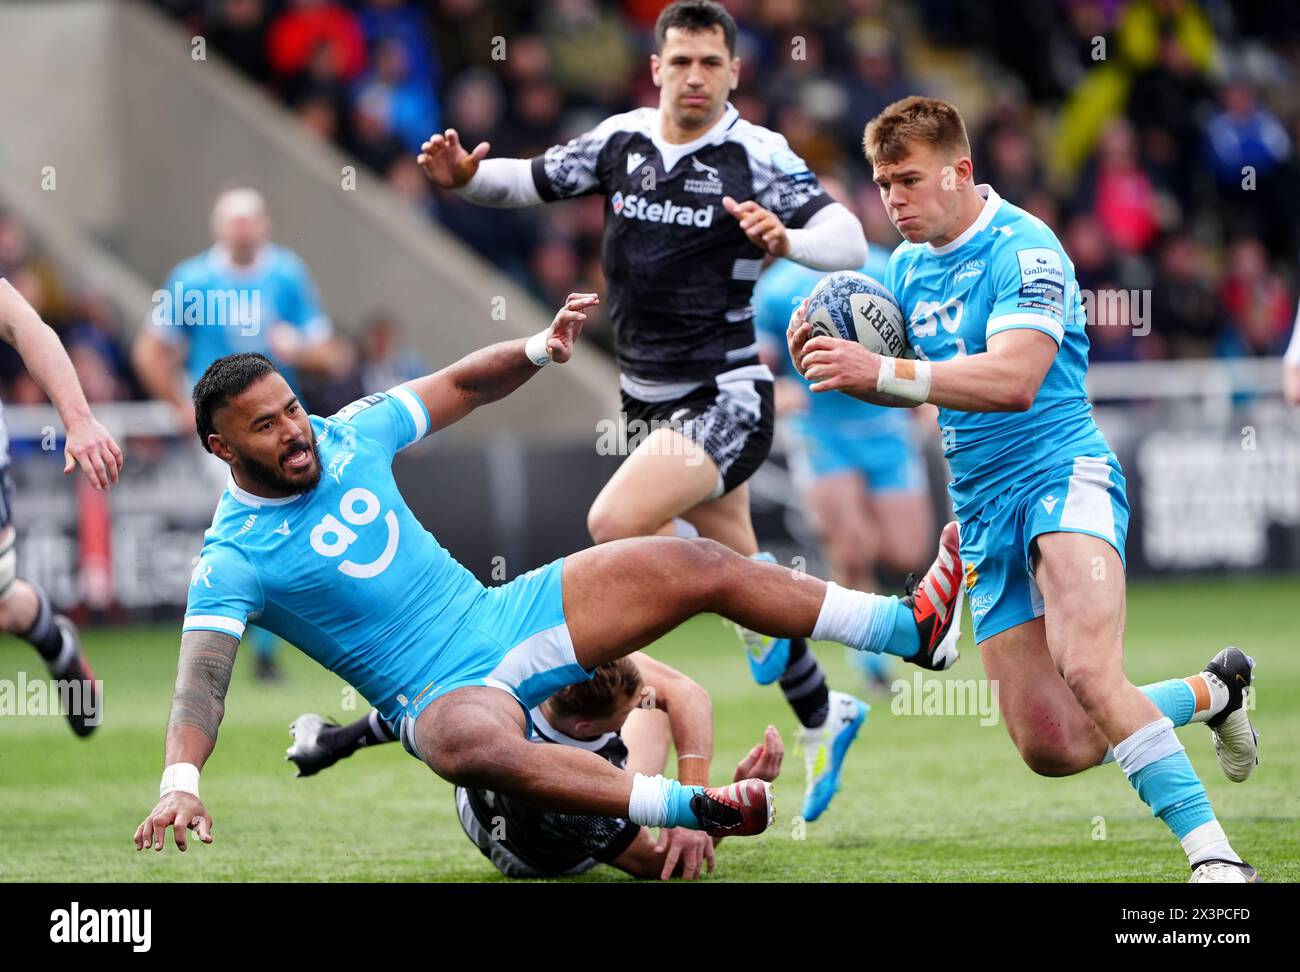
{"x": 930, "y": 121}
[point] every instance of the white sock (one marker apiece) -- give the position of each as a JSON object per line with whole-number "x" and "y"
{"x": 1151, "y": 743}
{"x": 853, "y": 618}
{"x": 1208, "y": 843}
{"x": 684, "y": 528}
{"x": 1219, "y": 696}
{"x": 648, "y": 805}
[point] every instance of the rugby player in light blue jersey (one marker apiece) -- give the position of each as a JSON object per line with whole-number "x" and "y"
{"x": 313, "y": 540}
{"x": 243, "y": 293}
{"x": 996, "y": 319}
{"x": 866, "y": 491}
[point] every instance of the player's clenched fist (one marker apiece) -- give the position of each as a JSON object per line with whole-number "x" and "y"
{"x": 179, "y": 810}
{"x": 763, "y": 227}
{"x": 445, "y": 161}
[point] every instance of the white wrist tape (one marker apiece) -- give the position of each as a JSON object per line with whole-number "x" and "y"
{"x": 904, "y": 378}
{"x": 180, "y": 776}
{"x": 535, "y": 348}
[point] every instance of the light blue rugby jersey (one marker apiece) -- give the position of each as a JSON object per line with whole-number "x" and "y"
{"x": 346, "y": 572}
{"x": 276, "y": 289}
{"x": 776, "y": 294}
{"x": 1008, "y": 270}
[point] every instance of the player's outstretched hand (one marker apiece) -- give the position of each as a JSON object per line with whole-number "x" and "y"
{"x": 91, "y": 447}
{"x": 179, "y": 810}
{"x": 687, "y": 847}
{"x": 568, "y": 325}
{"x": 764, "y": 229}
{"x": 763, "y": 761}
{"x": 445, "y": 161}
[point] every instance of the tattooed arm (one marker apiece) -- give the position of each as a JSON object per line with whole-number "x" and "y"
{"x": 198, "y": 703}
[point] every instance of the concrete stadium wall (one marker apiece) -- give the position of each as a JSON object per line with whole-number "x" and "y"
{"x": 141, "y": 135}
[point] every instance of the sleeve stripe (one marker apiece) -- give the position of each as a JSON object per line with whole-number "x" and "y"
{"x": 800, "y": 216}
{"x": 419, "y": 414}
{"x": 1038, "y": 322}
{"x": 542, "y": 181}
{"x": 213, "y": 622}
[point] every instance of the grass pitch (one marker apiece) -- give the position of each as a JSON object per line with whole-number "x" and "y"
{"x": 924, "y": 797}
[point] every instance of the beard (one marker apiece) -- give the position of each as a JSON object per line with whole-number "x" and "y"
{"x": 273, "y": 478}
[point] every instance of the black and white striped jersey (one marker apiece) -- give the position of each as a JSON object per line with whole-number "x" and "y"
{"x": 523, "y": 840}
{"x": 679, "y": 269}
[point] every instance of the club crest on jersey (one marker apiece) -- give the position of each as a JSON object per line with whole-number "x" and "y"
{"x": 337, "y": 465}
{"x": 707, "y": 182}
{"x": 788, "y": 163}
{"x": 968, "y": 270}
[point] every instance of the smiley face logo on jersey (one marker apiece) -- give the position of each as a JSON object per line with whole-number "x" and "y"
{"x": 332, "y": 537}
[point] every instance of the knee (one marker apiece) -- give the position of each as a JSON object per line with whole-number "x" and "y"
{"x": 605, "y": 523}
{"x": 1047, "y": 749}
{"x": 1049, "y": 759}
{"x": 456, "y": 756}
{"x": 707, "y": 560}
{"x": 1089, "y": 680}
{"x": 705, "y": 568}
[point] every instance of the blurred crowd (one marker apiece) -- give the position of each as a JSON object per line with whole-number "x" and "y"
{"x": 1157, "y": 137}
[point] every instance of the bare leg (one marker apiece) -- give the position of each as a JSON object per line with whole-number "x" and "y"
{"x": 620, "y": 597}
{"x": 474, "y": 737}
{"x": 905, "y": 523}
{"x": 1082, "y": 580}
{"x": 849, "y": 536}
{"x": 1053, "y": 733}
{"x": 726, "y": 520}
{"x": 665, "y": 476}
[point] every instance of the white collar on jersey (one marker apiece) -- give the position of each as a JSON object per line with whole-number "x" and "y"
{"x": 220, "y": 257}
{"x": 672, "y": 154}
{"x": 242, "y": 495}
{"x": 991, "y": 203}
{"x": 547, "y": 730}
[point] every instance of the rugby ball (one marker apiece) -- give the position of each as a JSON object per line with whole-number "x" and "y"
{"x": 852, "y": 306}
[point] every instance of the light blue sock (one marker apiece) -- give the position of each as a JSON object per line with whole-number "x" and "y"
{"x": 1174, "y": 698}
{"x": 893, "y": 628}
{"x": 1157, "y": 765}
{"x": 679, "y": 799}
{"x": 867, "y": 622}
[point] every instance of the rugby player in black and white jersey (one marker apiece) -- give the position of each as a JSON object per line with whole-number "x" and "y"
{"x": 626, "y": 714}
{"x": 697, "y": 198}
{"x": 25, "y": 608}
